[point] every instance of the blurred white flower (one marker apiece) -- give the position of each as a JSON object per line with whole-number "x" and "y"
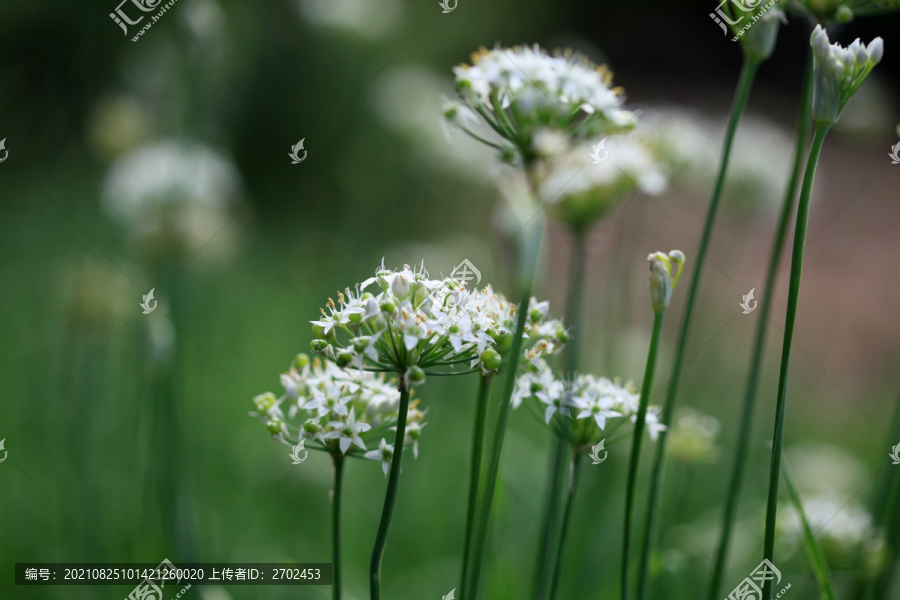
{"x": 693, "y": 437}
{"x": 370, "y": 20}
{"x": 173, "y": 195}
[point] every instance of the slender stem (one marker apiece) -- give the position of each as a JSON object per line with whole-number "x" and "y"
{"x": 789, "y": 321}
{"x": 475, "y": 474}
{"x": 390, "y": 497}
{"x": 338, "y": 492}
{"x": 530, "y": 253}
{"x": 637, "y": 439}
{"x": 573, "y": 317}
{"x": 745, "y": 84}
{"x": 743, "y": 442}
{"x": 885, "y": 512}
{"x": 574, "y": 470}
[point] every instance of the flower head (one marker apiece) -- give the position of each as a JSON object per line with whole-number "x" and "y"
{"x": 583, "y": 409}
{"x": 409, "y": 323}
{"x": 693, "y": 437}
{"x": 384, "y": 454}
{"x": 838, "y": 73}
{"x": 533, "y": 99}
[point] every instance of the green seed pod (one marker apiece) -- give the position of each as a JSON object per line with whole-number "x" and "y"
{"x": 275, "y": 426}
{"x": 344, "y": 358}
{"x": 301, "y": 361}
{"x": 415, "y": 375}
{"x": 491, "y": 359}
{"x": 318, "y": 346}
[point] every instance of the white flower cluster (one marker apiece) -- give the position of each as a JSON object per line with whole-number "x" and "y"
{"x": 339, "y": 408}
{"x": 693, "y": 437}
{"x": 596, "y": 406}
{"x": 522, "y": 90}
{"x": 839, "y": 72}
{"x": 172, "y": 194}
{"x": 412, "y": 323}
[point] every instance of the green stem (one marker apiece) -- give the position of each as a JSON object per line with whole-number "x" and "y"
{"x": 637, "y": 439}
{"x": 574, "y": 470}
{"x": 530, "y": 253}
{"x": 749, "y": 407}
{"x": 390, "y": 497}
{"x": 813, "y": 548}
{"x": 338, "y": 461}
{"x": 745, "y": 84}
{"x": 475, "y": 474}
{"x": 573, "y": 317}
{"x": 789, "y": 321}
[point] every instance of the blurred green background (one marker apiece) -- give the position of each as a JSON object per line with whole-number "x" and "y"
{"x": 109, "y": 414}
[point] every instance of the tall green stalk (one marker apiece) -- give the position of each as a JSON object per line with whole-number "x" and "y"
{"x": 475, "y": 474}
{"x": 804, "y": 123}
{"x": 571, "y": 356}
{"x": 884, "y": 510}
{"x": 789, "y": 321}
{"x": 526, "y": 268}
{"x": 646, "y": 391}
{"x": 338, "y": 460}
{"x": 745, "y": 84}
{"x": 390, "y": 497}
{"x": 574, "y": 471}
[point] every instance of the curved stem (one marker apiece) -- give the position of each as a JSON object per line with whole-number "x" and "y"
{"x": 789, "y": 321}
{"x": 573, "y": 316}
{"x": 740, "y": 457}
{"x": 475, "y": 474}
{"x": 530, "y": 253}
{"x": 574, "y": 470}
{"x": 637, "y": 439}
{"x": 390, "y": 497}
{"x": 748, "y": 72}
{"x": 338, "y": 461}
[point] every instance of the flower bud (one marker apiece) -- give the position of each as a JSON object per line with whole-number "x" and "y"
{"x": 264, "y": 402}
{"x": 344, "y": 358}
{"x": 400, "y": 286}
{"x": 562, "y": 335}
{"x": 415, "y": 375}
{"x": 318, "y": 346}
{"x": 758, "y": 41}
{"x": 318, "y": 332}
{"x": 665, "y": 270}
{"x": 843, "y": 14}
{"x": 491, "y": 359}
{"x": 311, "y": 427}
{"x": 301, "y": 361}
{"x": 387, "y": 306}
{"x": 275, "y": 426}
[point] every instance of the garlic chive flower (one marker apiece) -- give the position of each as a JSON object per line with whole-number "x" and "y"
{"x": 527, "y": 96}
{"x": 759, "y": 35}
{"x": 384, "y": 454}
{"x": 836, "y": 12}
{"x": 585, "y": 409}
{"x": 341, "y": 411}
{"x": 665, "y": 270}
{"x": 838, "y": 73}
{"x": 414, "y": 326}
{"x": 692, "y": 439}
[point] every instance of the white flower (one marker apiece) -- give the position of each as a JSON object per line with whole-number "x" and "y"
{"x": 385, "y": 454}
{"x": 839, "y": 72}
{"x": 347, "y": 431}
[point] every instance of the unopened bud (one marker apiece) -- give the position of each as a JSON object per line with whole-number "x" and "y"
{"x": 491, "y": 359}
{"x": 665, "y": 270}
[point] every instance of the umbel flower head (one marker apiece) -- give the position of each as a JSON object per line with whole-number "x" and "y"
{"x": 838, "y": 73}
{"x": 408, "y": 323}
{"x": 692, "y": 439}
{"x": 339, "y": 410}
{"x": 665, "y": 270}
{"x": 584, "y": 409}
{"x": 522, "y": 91}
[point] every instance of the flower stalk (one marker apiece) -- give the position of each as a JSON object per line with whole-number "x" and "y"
{"x": 390, "y": 496}
{"x": 574, "y": 471}
{"x": 475, "y": 474}
{"x": 338, "y": 461}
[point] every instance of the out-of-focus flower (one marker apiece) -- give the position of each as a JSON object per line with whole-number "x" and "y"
{"x": 367, "y": 20}
{"x": 117, "y": 125}
{"x": 412, "y": 323}
{"x": 838, "y": 73}
{"x": 583, "y": 409}
{"x": 94, "y": 292}
{"x": 173, "y": 197}
{"x": 693, "y": 437}
{"x": 832, "y": 12}
{"x": 338, "y": 410}
{"x": 526, "y": 96}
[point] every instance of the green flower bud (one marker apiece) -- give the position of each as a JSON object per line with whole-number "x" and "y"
{"x": 311, "y": 427}
{"x": 264, "y": 402}
{"x": 415, "y": 375}
{"x": 301, "y": 361}
{"x": 562, "y": 335}
{"x": 491, "y": 359}
{"x": 665, "y": 270}
{"x": 536, "y": 315}
{"x": 318, "y": 346}
{"x": 360, "y": 344}
{"x": 843, "y": 14}
{"x": 355, "y": 317}
{"x": 275, "y": 426}
{"x": 344, "y": 358}
{"x": 758, "y": 41}
{"x": 387, "y": 306}
{"x": 318, "y": 332}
